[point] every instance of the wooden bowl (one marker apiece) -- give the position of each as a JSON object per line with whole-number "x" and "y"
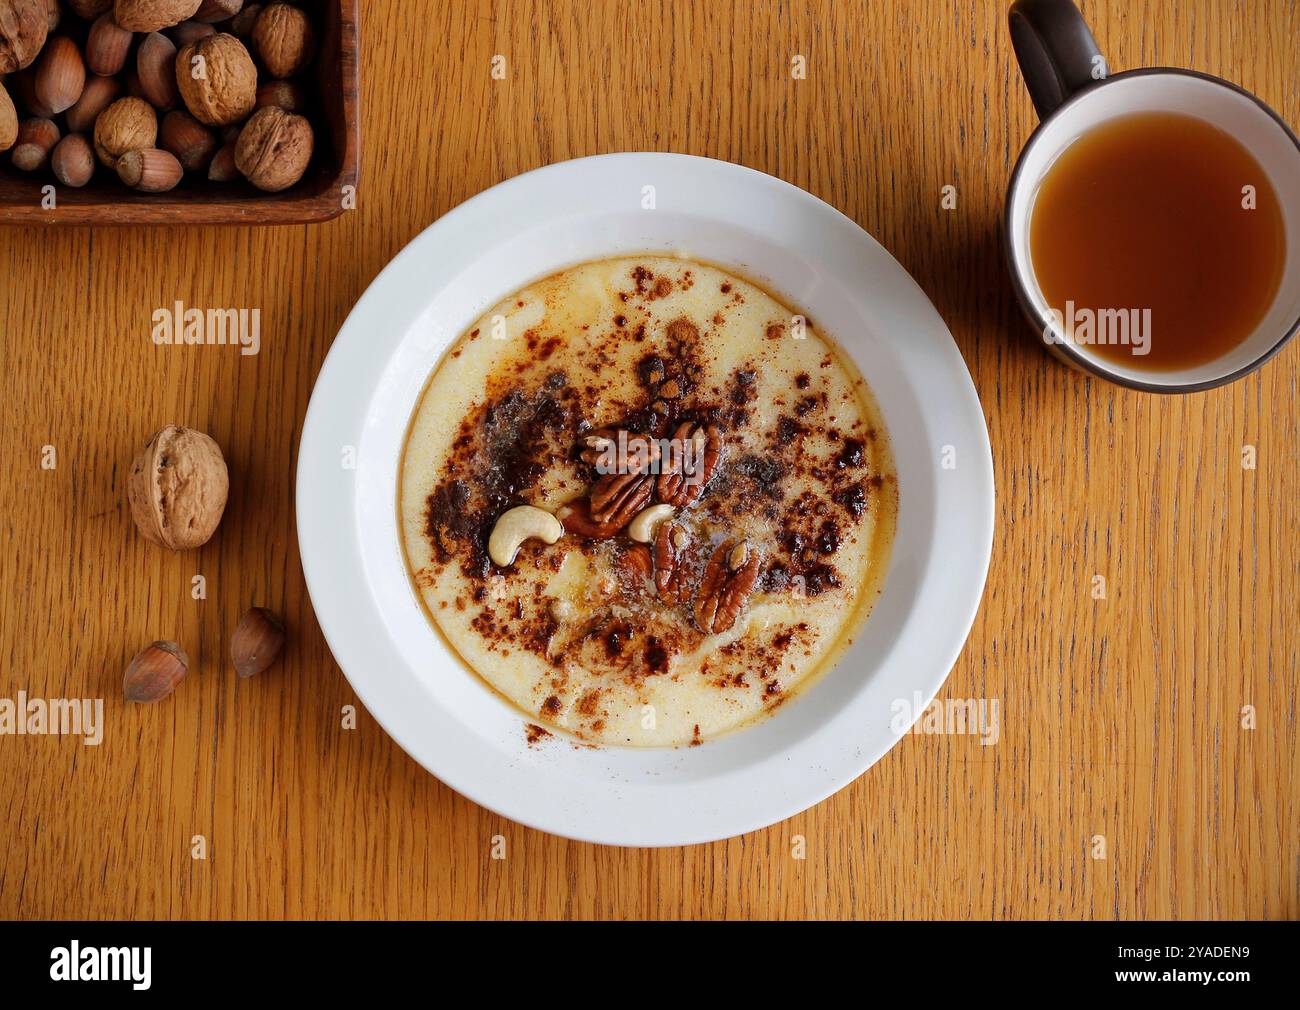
{"x": 318, "y": 196}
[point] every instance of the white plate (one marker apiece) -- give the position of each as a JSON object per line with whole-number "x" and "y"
{"x": 524, "y": 229}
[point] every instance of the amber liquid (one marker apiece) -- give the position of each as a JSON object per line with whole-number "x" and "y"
{"x": 1150, "y": 212}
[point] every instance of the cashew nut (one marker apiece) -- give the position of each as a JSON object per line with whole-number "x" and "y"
{"x": 523, "y": 522}
{"x": 644, "y": 524}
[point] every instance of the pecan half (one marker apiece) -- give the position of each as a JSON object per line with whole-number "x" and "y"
{"x": 577, "y": 520}
{"x": 671, "y": 543}
{"x": 618, "y": 497}
{"x": 627, "y": 462}
{"x": 637, "y": 561}
{"x": 620, "y": 451}
{"x": 728, "y": 580}
{"x": 697, "y": 453}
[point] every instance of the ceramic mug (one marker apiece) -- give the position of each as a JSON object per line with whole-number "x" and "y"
{"x": 1074, "y": 93}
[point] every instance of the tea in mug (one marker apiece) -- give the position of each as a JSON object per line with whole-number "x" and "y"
{"x": 1158, "y": 241}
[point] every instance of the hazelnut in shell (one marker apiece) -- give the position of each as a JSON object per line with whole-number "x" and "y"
{"x": 257, "y": 641}
{"x": 36, "y": 139}
{"x": 60, "y": 74}
{"x": 177, "y": 488}
{"x": 107, "y": 46}
{"x": 274, "y": 149}
{"x": 73, "y": 161}
{"x": 150, "y": 171}
{"x": 97, "y": 95}
{"x": 189, "y": 140}
{"x": 155, "y": 672}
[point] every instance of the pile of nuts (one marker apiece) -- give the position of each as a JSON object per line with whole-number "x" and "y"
{"x": 155, "y": 89}
{"x": 176, "y": 489}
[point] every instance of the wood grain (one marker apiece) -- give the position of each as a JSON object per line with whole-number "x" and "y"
{"x": 1119, "y": 717}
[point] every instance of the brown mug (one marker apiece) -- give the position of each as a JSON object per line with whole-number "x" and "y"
{"x": 1074, "y": 92}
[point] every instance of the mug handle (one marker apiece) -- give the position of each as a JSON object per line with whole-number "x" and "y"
{"x": 1056, "y": 51}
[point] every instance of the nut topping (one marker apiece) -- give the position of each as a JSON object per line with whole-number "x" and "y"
{"x": 671, "y": 544}
{"x": 626, "y": 462}
{"x": 642, "y": 529}
{"x": 683, "y": 478}
{"x": 577, "y": 520}
{"x": 728, "y": 580}
{"x": 523, "y": 522}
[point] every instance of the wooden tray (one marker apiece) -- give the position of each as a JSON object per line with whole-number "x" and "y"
{"x": 317, "y": 197}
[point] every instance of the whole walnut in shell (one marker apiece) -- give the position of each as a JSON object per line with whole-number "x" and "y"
{"x": 152, "y": 15}
{"x": 8, "y": 120}
{"x": 129, "y": 124}
{"x": 274, "y": 149}
{"x": 218, "y": 80}
{"x": 177, "y": 488}
{"x": 23, "y": 27}
{"x": 284, "y": 40}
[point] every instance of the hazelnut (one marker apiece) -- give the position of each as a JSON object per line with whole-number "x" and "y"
{"x": 242, "y": 24}
{"x": 151, "y": 15}
{"x": 155, "y": 68}
{"x": 60, "y": 74}
{"x": 222, "y": 168}
{"x": 191, "y": 31}
{"x": 24, "y": 24}
{"x": 129, "y": 124}
{"x": 53, "y": 14}
{"x": 189, "y": 140}
{"x": 96, "y": 96}
{"x": 155, "y": 673}
{"x": 73, "y": 161}
{"x": 274, "y": 149}
{"x": 177, "y": 488}
{"x": 217, "y": 79}
{"x": 257, "y": 641}
{"x": 36, "y": 139}
{"x": 284, "y": 39}
{"x": 285, "y": 95}
{"x": 107, "y": 46}
{"x": 150, "y": 170}
{"x": 8, "y": 120}
{"x": 89, "y": 9}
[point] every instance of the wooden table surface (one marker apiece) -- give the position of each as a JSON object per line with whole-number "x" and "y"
{"x": 1124, "y": 783}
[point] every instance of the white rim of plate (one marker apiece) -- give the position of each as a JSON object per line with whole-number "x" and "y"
{"x": 725, "y": 787}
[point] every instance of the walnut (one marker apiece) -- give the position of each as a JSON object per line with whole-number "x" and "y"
{"x": 23, "y": 27}
{"x": 129, "y": 124}
{"x": 728, "y": 580}
{"x": 152, "y": 15}
{"x": 694, "y": 459}
{"x": 8, "y": 120}
{"x": 274, "y": 149}
{"x": 283, "y": 39}
{"x": 177, "y": 488}
{"x": 217, "y": 79}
